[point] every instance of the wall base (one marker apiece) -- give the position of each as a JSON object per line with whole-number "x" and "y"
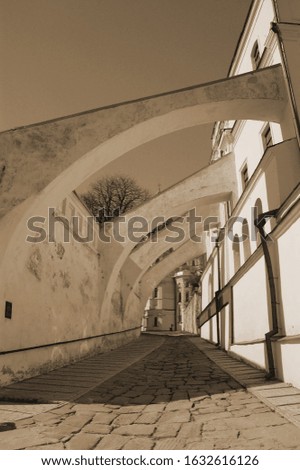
{"x": 22, "y": 365}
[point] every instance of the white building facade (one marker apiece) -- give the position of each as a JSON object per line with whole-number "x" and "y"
{"x": 160, "y": 308}
{"x": 250, "y": 284}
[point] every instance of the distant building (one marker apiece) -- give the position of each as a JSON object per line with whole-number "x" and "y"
{"x": 166, "y": 309}
{"x": 160, "y": 307}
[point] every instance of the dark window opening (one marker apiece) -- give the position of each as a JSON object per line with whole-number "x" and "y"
{"x": 257, "y": 210}
{"x": 255, "y": 56}
{"x": 267, "y": 137}
{"x": 236, "y": 253}
{"x": 245, "y": 176}
{"x": 8, "y": 309}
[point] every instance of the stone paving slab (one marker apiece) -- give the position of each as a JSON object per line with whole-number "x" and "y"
{"x": 67, "y": 383}
{"x": 175, "y": 397}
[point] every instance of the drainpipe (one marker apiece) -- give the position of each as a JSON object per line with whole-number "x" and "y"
{"x": 259, "y": 223}
{"x": 219, "y": 288}
{"x": 218, "y": 241}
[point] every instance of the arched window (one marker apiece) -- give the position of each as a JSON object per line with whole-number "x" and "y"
{"x": 246, "y": 240}
{"x": 257, "y": 210}
{"x": 210, "y": 288}
{"x": 236, "y": 253}
{"x": 255, "y": 55}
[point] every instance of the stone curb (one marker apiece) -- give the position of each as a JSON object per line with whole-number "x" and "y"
{"x": 277, "y": 395}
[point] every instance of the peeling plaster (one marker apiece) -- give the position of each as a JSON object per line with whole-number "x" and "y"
{"x": 84, "y": 296}
{"x": 2, "y": 170}
{"x": 117, "y": 304}
{"x": 66, "y": 280}
{"x": 7, "y": 371}
{"x": 86, "y": 284}
{"x": 60, "y": 251}
{"x": 34, "y": 264}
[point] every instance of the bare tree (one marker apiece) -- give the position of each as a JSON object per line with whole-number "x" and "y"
{"x": 112, "y": 196}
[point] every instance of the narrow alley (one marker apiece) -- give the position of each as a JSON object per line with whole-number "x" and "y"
{"x": 158, "y": 392}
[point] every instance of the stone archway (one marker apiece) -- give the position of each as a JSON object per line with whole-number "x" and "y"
{"x": 155, "y": 274}
{"x": 45, "y": 162}
{"x": 151, "y": 254}
{"x": 213, "y": 184}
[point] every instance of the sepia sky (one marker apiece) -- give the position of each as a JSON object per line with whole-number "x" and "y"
{"x": 60, "y": 57}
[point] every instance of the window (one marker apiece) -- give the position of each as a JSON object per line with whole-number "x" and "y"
{"x": 255, "y": 56}
{"x": 155, "y": 294}
{"x": 257, "y": 210}
{"x": 246, "y": 240}
{"x": 267, "y": 137}
{"x": 244, "y": 175}
{"x": 179, "y": 296}
{"x": 8, "y": 309}
{"x": 155, "y": 321}
{"x": 210, "y": 288}
{"x": 236, "y": 253}
{"x": 187, "y": 296}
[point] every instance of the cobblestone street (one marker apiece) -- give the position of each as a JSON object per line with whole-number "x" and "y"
{"x": 175, "y": 397}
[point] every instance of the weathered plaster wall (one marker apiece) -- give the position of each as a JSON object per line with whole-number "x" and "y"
{"x": 32, "y": 362}
{"x": 54, "y": 292}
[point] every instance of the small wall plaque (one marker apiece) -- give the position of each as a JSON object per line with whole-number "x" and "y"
{"x": 8, "y": 309}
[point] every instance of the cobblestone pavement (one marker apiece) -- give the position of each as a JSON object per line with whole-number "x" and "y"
{"x": 174, "y": 398}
